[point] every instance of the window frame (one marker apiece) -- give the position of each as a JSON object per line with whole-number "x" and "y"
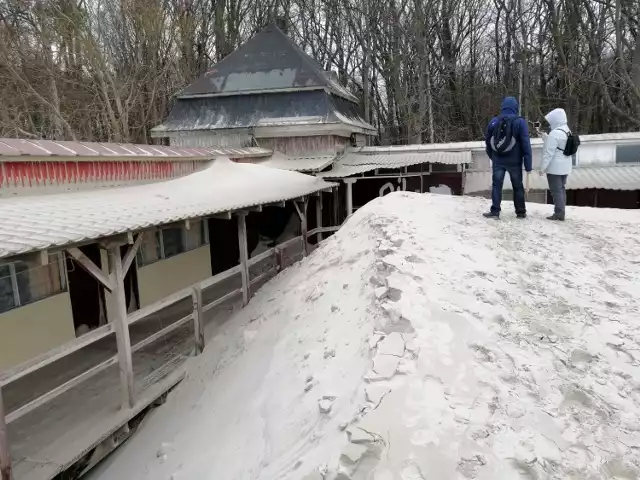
{"x": 15, "y": 287}
{"x": 628, "y": 145}
{"x": 140, "y": 261}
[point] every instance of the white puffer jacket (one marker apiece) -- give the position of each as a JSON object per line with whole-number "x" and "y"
{"x": 554, "y": 162}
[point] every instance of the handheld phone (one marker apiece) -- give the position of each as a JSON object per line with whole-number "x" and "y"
{"x": 537, "y": 125}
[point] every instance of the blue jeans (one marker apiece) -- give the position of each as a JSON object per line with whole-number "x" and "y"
{"x": 515, "y": 173}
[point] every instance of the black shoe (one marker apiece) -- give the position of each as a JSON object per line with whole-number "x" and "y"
{"x": 556, "y": 218}
{"x": 491, "y": 215}
{"x": 521, "y": 215}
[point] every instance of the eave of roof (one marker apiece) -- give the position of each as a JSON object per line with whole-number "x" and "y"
{"x": 355, "y": 163}
{"x": 298, "y": 163}
{"x": 33, "y": 223}
{"x": 21, "y": 149}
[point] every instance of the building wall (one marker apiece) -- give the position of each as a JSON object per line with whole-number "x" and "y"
{"x": 316, "y": 145}
{"x": 221, "y": 138}
{"x": 34, "y": 329}
{"x": 162, "y": 278}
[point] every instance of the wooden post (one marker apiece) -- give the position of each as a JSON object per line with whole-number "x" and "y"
{"x": 319, "y": 214}
{"x": 5, "y": 455}
{"x": 349, "y": 182}
{"x": 279, "y": 259}
{"x": 244, "y": 257}
{"x": 302, "y": 213}
{"x": 198, "y": 319}
{"x": 121, "y": 324}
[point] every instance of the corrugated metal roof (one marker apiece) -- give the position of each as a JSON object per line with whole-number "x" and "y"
{"x": 619, "y": 177}
{"x": 16, "y": 147}
{"x": 298, "y": 163}
{"x": 39, "y": 222}
{"x": 263, "y": 110}
{"x": 270, "y": 61}
{"x": 625, "y": 137}
{"x": 354, "y": 163}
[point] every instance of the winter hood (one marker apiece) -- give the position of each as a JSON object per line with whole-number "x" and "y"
{"x": 510, "y": 106}
{"x": 556, "y": 118}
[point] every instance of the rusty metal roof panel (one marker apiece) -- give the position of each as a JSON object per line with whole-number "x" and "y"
{"x": 25, "y": 147}
{"x": 17, "y": 147}
{"x": 34, "y": 223}
{"x": 82, "y": 150}
{"x": 53, "y": 148}
{"x": 6, "y": 149}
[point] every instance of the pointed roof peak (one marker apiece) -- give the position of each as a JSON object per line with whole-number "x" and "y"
{"x": 268, "y": 62}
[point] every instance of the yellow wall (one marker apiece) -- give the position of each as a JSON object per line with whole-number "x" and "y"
{"x": 165, "y": 277}
{"x": 33, "y": 329}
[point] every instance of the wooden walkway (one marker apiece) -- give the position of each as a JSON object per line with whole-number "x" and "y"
{"x": 50, "y": 439}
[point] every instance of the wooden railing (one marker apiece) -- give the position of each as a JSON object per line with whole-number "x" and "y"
{"x": 196, "y": 316}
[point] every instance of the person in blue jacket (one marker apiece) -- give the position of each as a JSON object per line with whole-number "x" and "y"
{"x": 512, "y": 129}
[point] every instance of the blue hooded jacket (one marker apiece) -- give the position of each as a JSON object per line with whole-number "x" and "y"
{"x": 521, "y": 153}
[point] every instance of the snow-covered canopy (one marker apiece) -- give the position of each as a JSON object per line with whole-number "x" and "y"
{"x": 39, "y": 222}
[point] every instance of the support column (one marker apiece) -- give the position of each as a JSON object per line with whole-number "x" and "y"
{"x": 5, "y": 455}
{"x": 349, "y": 182}
{"x": 244, "y": 257}
{"x": 198, "y": 319}
{"x": 121, "y": 324}
{"x": 319, "y": 215}
{"x": 301, "y": 208}
{"x": 110, "y": 305}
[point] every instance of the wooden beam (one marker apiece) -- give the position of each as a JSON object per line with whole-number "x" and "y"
{"x": 244, "y": 257}
{"x": 302, "y": 213}
{"x": 91, "y": 268}
{"x": 131, "y": 253}
{"x": 59, "y": 390}
{"x": 117, "y": 240}
{"x": 198, "y": 319}
{"x": 319, "y": 215}
{"x": 122, "y": 329}
{"x": 24, "y": 369}
{"x": 277, "y": 204}
{"x": 257, "y": 208}
{"x": 222, "y": 216}
{"x": 5, "y": 454}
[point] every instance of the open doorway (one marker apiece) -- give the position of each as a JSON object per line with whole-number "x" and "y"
{"x": 87, "y": 295}
{"x": 88, "y": 303}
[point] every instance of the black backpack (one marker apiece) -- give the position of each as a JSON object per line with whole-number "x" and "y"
{"x": 503, "y": 138}
{"x": 573, "y": 142}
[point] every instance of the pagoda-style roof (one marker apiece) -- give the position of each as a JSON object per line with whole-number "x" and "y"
{"x": 267, "y": 63}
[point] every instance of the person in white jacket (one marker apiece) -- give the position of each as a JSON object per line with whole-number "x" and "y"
{"x": 555, "y": 164}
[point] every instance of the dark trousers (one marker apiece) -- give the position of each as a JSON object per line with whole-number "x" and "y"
{"x": 515, "y": 174}
{"x": 557, "y": 186}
